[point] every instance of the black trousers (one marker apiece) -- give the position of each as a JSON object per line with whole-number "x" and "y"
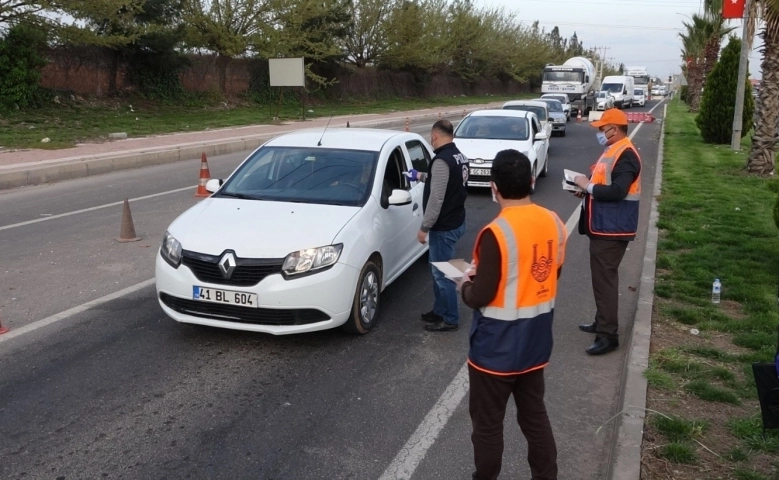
{"x": 605, "y": 257}
{"x": 489, "y": 396}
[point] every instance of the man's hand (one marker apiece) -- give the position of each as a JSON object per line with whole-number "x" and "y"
{"x": 422, "y": 237}
{"x": 578, "y": 194}
{"x": 412, "y": 175}
{"x": 581, "y": 181}
{"x": 467, "y": 277}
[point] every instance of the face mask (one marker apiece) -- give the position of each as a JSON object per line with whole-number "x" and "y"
{"x": 601, "y": 138}
{"x": 492, "y": 189}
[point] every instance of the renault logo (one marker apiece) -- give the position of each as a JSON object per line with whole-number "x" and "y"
{"x": 227, "y": 265}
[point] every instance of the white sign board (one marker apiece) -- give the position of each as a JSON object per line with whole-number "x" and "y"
{"x": 287, "y": 72}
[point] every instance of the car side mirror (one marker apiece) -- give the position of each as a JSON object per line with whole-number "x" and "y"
{"x": 214, "y": 184}
{"x": 399, "y": 197}
{"x": 540, "y": 136}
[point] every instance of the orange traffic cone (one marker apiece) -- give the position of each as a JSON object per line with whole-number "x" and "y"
{"x": 579, "y": 115}
{"x": 407, "y": 124}
{"x": 205, "y": 176}
{"x": 2, "y": 328}
{"x": 127, "y": 230}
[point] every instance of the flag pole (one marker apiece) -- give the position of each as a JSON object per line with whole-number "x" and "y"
{"x": 735, "y": 140}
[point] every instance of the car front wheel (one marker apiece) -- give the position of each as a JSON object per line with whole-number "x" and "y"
{"x": 546, "y": 162}
{"x": 365, "y": 307}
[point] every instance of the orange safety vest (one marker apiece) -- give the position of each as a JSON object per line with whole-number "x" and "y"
{"x": 614, "y": 220}
{"x": 513, "y": 334}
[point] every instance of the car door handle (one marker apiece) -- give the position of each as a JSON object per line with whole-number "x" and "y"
{"x": 416, "y": 207}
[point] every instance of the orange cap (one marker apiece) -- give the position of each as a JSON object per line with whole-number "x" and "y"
{"x": 612, "y": 116}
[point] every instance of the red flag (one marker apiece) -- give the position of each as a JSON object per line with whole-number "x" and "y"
{"x": 732, "y": 8}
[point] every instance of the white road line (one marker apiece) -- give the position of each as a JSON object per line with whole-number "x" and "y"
{"x": 415, "y": 449}
{"x": 73, "y": 311}
{"x": 91, "y": 209}
{"x": 413, "y": 452}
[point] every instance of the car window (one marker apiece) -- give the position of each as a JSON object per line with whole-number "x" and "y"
{"x": 305, "y": 175}
{"x": 420, "y": 157}
{"x": 554, "y": 106}
{"x": 493, "y": 128}
{"x": 393, "y": 176}
{"x": 539, "y": 111}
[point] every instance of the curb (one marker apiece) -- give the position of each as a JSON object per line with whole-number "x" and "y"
{"x": 87, "y": 166}
{"x": 626, "y": 450}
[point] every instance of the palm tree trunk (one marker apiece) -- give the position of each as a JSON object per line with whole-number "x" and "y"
{"x": 694, "y": 85}
{"x": 761, "y": 157}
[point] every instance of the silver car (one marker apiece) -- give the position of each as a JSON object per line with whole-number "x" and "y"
{"x": 604, "y": 101}
{"x": 556, "y": 115}
{"x": 563, "y": 99}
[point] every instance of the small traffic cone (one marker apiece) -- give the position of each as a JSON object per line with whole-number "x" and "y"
{"x": 439, "y": 115}
{"x": 347, "y": 124}
{"x": 127, "y": 231}
{"x": 463, "y": 112}
{"x": 579, "y": 115}
{"x": 407, "y": 124}
{"x": 205, "y": 176}
{"x": 2, "y": 328}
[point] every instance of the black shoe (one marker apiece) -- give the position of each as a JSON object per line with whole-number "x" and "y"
{"x": 441, "y": 326}
{"x": 603, "y": 345}
{"x": 431, "y": 317}
{"x": 587, "y": 327}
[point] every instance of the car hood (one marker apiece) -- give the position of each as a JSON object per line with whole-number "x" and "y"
{"x": 487, "y": 149}
{"x": 258, "y": 229}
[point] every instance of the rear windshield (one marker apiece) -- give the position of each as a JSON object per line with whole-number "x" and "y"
{"x": 493, "y": 128}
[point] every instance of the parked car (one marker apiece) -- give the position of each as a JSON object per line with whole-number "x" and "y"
{"x": 484, "y": 133}
{"x": 539, "y": 108}
{"x": 638, "y": 97}
{"x": 604, "y": 101}
{"x": 556, "y": 115}
{"x": 563, "y": 99}
{"x": 303, "y": 236}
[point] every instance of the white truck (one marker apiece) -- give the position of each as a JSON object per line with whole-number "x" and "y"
{"x": 641, "y": 78}
{"x": 621, "y": 88}
{"x": 575, "y": 78}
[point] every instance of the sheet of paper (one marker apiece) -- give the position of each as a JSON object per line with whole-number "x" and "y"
{"x": 452, "y": 269}
{"x": 568, "y": 183}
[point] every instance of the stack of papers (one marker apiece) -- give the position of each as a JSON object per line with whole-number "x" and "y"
{"x": 453, "y": 269}
{"x": 568, "y": 183}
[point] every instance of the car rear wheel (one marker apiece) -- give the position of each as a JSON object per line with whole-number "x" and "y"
{"x": 533, "y": 187}
{"x": 365, "y": 307}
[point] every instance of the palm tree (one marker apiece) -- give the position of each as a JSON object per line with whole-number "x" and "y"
{"x": 762, "y": 156}
{"x": 693, "y": 43}
{"x": 702, "y": 44}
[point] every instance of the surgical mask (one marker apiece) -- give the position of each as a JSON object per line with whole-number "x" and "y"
{"x": 602, "y": 138}
{"x": 492, "y": 189}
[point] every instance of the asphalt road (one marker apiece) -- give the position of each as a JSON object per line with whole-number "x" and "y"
{"x": 121, "y": 391}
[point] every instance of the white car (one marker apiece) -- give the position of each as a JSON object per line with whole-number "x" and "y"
{"x": 562, "y": 99}
{"x": 541, "y": 110}
{"x": 303, "y": 236}
{"x": 484, "y": 133}
{"x": 638, "y": 97}
{"x": 604, "y": 101}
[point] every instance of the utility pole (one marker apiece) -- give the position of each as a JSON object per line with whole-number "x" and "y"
{"x": 735, "y": 140}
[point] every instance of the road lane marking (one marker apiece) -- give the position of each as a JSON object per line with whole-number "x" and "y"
{"x": 15, "y": 333}
{"x": 92, "y": 209}
{"x": 413, "y": 452}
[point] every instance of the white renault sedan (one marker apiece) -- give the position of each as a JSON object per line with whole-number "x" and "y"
{"x": 484, "y": 133}
{"x": 538, "y": 107}
{"x": 303, "y": 236}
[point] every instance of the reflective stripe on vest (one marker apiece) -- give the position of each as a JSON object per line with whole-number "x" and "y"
{"x": 601, "y": 175}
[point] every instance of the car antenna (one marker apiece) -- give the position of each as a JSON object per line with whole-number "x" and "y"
{"x": 319, "y": 143}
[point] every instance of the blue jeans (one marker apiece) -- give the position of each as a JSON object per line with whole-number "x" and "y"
{"x": 442, "y": 244}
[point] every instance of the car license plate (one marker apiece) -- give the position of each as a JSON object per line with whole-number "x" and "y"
{"x": 225, "y": 297}
{"x": 480, "y": 171}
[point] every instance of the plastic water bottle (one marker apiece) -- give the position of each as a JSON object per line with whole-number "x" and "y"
{"x": 716, "y": 289}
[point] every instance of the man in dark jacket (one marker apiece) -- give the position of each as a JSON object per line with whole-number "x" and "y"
{"x": 610, "y": 219}
{"x": 444, "y": 221}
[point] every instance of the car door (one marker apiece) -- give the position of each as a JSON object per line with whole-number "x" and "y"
{"x": 419, "y": 157}
{"x": 539, "y": 146}
{"x": 399, "y": 223}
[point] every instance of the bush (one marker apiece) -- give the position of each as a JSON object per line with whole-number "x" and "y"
{"x": 715, "y": 119}
{"x": 20, "y": 64}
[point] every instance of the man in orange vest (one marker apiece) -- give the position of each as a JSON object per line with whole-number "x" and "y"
{"x": 610, "y": 218}
{"x": 518, "y": 257}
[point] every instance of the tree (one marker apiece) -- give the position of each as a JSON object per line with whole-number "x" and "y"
{"x": 701, "y": 45}
{"x": 20, "y": 64}
{"x": 762, "y": 156}
{"x": 715, "y": 119}
{"x": 416, "y": 36}
{"x": 365, "y": 41}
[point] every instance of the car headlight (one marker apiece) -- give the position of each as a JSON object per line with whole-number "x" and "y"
{"x": 171, "y": 250}
{"x": 311, "y": 260}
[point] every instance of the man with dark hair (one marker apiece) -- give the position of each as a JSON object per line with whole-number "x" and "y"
{"x": 609, "y": 218}
{"x": 512, "y": 288}
{"x": 443, "y": 203}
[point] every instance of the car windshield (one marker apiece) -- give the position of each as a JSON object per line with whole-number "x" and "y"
{"x": 563, "y": 76}
{"x": 601, "y": 94}
{"x": 539, "y": 111}
{"x": 493, "y": 128}
{"x": 304, "y": 175}
{"x": 554, "y": 105}
{"x": 638, "y": 91}
{"x": 559, "y": 98}
{"x": 612, "y": 87}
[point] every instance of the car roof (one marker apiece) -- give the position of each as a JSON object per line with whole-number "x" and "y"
{"x": 494, "y": 112}
{"x": 550, "y": 100}
{"x": 368, "y": 139}
{"x": 530, "y": 103}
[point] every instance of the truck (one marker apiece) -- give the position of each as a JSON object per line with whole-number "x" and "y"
{"x": 641, "y": 78}
{"x": 577, "y": 79}
{"x": 621, "y": 88}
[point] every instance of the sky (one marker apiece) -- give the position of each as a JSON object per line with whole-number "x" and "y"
{"x": 636, "y": 32}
